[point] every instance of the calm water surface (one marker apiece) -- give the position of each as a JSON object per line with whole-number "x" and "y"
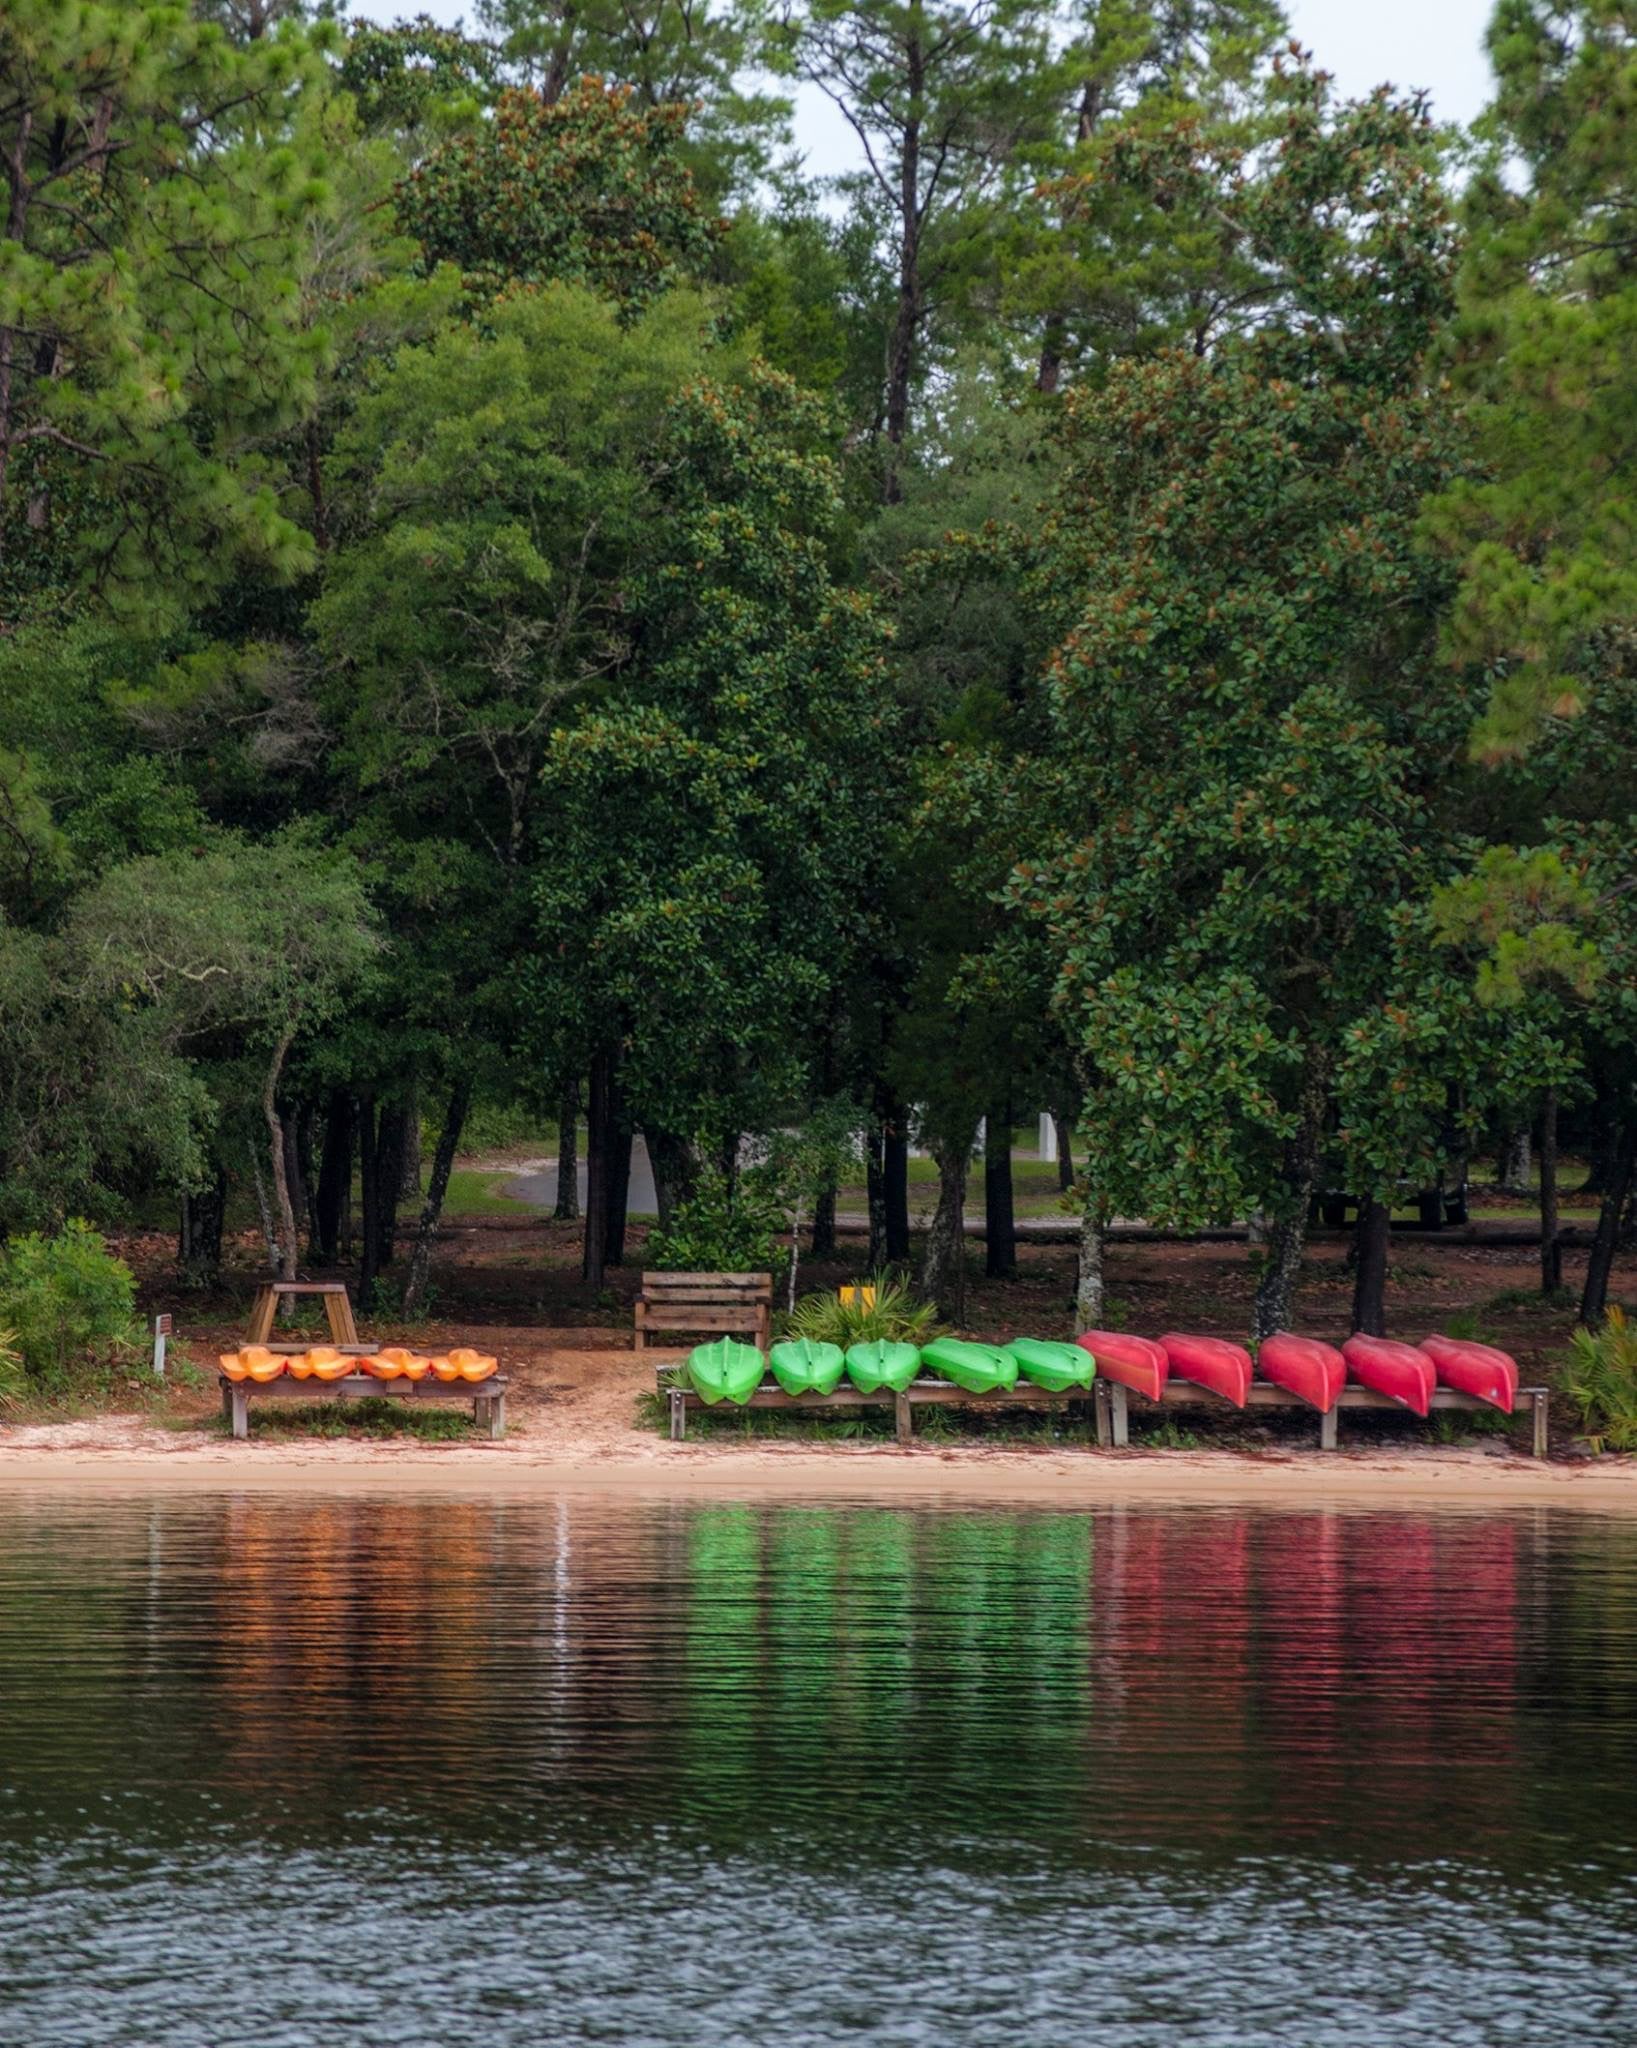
{"x": 292, "y": 1771}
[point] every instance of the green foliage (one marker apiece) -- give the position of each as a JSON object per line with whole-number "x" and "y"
{"x": 894, "y": 1315}
{"x": 12, "y": 1370}
{"x": 587, "y": 189}
{"x": 1599, "y": 1374}
{"x": 67, "y": 1302}
{"x": 718, "y": 1228}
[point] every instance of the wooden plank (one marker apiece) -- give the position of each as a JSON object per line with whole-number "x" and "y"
{"x": 260, "y": 1326}
{"x": 309, "y": 1286}
{"x": 748, "y": 1283}
{"x": 364, "y": 1386}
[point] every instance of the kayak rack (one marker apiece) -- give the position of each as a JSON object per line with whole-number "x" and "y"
{"x": 1110, "y": 1403}
{"x": 919, "y": 1394}
{"x": 488, "y": 1397}
{"x": 1264, "y": 1394}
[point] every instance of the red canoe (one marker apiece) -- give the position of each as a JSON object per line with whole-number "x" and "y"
{"x": 1399, "y": 1370}
{"x": 1477, "y": 1369}
{"x": 1134, "y": 1361}
{"x": 1303, "y": 1366}
{"x": 1210, "y": 1362}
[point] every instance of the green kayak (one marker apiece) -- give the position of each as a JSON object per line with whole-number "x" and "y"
{"x": 881, "y": 1363}
{"x": 1056, "y": 1367}
{"x": 803, "y": 1367}
{"x": 979, "y": 1368}
{"x": 725, "y": 1370}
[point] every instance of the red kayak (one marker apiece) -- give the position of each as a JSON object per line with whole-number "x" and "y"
{"x": 1398, "y": 1370}
{"x": 1135, "y": 1362}
{"x": 1210, "y": 1362}
{"x": 1476, "y": 1369}
{"x": 1303, "y": 1366}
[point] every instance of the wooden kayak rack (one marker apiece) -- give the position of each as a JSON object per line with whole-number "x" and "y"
{"x": 1263, "y": 1394}
{"x": 488, "y": 1397}
{"x": 1108, "y": 1400}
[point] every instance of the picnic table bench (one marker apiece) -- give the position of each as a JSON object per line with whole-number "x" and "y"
{"x": 337, "y": 1309}
{"x": 488, "y": 1397}
{"x": 706, "y": 1304}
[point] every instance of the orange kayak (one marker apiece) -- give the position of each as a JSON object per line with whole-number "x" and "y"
{"x": 444, "y": 1369}
{"x": 232, "y": 1366}
{"x": 299, "y": 1365}
{"x": 327, "y": 1364}
{"x": 473, "y": 1365}
{"x": 403, "y": 1364}
{"x": 260, "y": 1364}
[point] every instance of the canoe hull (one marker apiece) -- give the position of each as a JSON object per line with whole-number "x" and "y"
{"x": 1210, "y": 1362}
{"x": 1057, "y": 1368}
{"x": 879, "y": 1362}
{"x": 978, "y": 1368}
{"x": 1315, "y": 1372}
{"x": 725, "y": 1371}
{"x": 1476, "y": 1369}
{"x": 1135, "y": 1362}
{"x": 804, "y": 1367}
{"x": 1399, "y": 1371}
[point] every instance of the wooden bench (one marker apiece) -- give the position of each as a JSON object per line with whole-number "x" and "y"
{"x": 1263, "y": 1394}
{"x": 919, "y": 1394}
{"x": 488, "y": 1397}
{"x": 337, "y": 1307}
{"x": 706, "y": 1304}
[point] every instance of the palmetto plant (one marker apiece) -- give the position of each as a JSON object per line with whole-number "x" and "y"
{"x": 1599, "y": 1374}
{"x": 11, "y": 1369}
{"x": 882, "y": 1308}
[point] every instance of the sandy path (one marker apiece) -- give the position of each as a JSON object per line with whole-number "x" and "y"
{"x": 574, "y": 1428}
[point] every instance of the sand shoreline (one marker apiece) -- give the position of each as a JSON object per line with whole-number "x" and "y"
{"x": 124, "y": 1456}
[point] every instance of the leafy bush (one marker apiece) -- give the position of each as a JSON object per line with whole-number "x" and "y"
{"x": 11, "y": 1368}
{"x": 895, "y": 1314}
{"x": 67, "y": 1300}
{"x": 719, "y": 1230}
{"x": 1599, "y": 1375}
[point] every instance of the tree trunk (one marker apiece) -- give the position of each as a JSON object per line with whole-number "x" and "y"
{"x": 334, "y": 1178}
{"x": 943, "y": 1258}
{"x": 1049, "y": 374}
{"x": 443, "y": 1160}
{"x": 875, "y": 1192}
{"x": 1088, "y": 1284}
{"x": 823, "y": 1243}
{"x": 307, "y": 1174}
{"x": 409, "y": 1161}
{"x": 1551, "y": 1249}
{"x": 1287, "y": 1238}
{"x": 907, "y": 320}
{"x": 389, "y": 1161}
{"x": 1606, "y": 1145}
{"x": 675, "y": 1170}
{"x": 596, "y": 1167}
{"x": 369, "y": 1235}
{"x": 284, "y": 1214}
{"x": 199, "y": 1250}
{"x": 895, "y": 1186}
{"x": 616, "y": 1180}
{"x": 300, "y": 1195}
{"x": 1370, "y": 1276}
{"x": 999, "y": 1210}
{"x": 1065, "y": 1152}
{"x": 568, "y": 1156}
{"x": 1514, "y": 1162}
{"x": 1594, "y": 1299}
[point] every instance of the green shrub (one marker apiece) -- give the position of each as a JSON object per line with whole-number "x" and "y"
{"x": 11, "y": 1368}
{"x": 1599, "y": 1375}
{"x": 67, "y": 1300}
{"x": 894, "y": 1315}
{"x": 719, "y": 1230}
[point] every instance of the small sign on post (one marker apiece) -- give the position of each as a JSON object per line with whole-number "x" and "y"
{"x": 161, "y": 1330}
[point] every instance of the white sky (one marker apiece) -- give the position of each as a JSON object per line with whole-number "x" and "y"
{"x": 1431, "y": 44}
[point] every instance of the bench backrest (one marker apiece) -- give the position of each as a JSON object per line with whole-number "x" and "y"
{"x": 696, "y": 1290}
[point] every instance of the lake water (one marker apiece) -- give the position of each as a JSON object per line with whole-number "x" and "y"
{"x": 281, "y": 1772}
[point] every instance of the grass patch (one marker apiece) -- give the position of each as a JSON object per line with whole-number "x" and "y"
{"x": 475, "y": 1193}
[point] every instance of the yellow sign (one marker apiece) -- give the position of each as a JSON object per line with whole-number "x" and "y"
{"x": 858, "y": 1297}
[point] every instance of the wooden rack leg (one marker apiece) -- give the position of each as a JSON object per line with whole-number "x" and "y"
{"x": 903, "y": 1418}
{"x": 1542, "y": 1439}
{"x": 227, "y": 1401}
{"x": 260, "y": 1326}
{"x": 1100, "y": 1416}
{"x": 241, "y": 1411}
{"x": 679, "y": 1415}
{"x": 1120, "y": 1416}
{"x": 1327, "y": 1430}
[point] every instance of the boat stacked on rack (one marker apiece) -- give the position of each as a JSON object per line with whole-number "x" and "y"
{"x": 260, "y": 1365}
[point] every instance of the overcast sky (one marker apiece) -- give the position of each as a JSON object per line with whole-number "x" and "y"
{"x": 1436, "y": 44}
